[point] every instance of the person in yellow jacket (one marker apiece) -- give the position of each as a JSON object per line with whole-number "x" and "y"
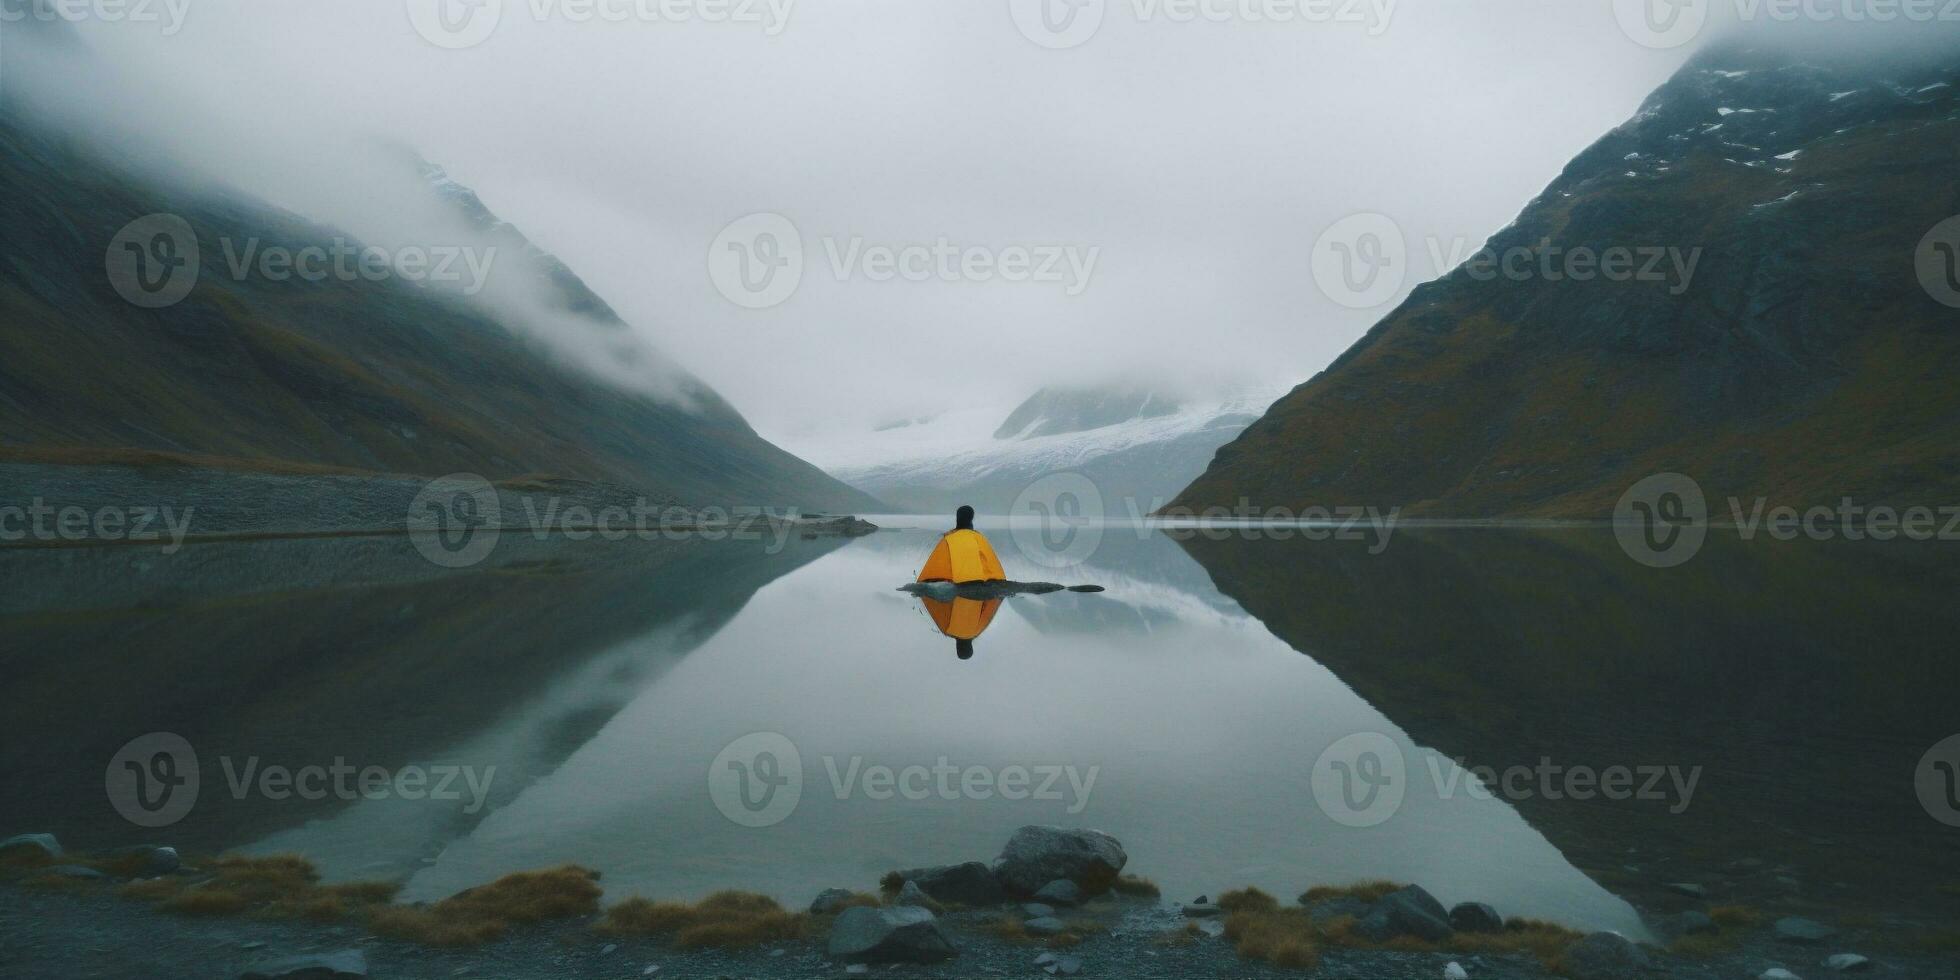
{"x": 963, "y": 556}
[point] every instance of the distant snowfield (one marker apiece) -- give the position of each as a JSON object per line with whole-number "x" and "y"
{"x": 958, "y": 447}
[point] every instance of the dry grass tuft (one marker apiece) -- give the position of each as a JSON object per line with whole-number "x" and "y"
{"x": 1283, "y": 937}
{"x": 1247, "y": 900}
{"x": 484, "y": 913}
{"x": 277, "y": 886}
{"x": 1007, "y": 929}
{"x": 1736, "y": 916}
{"x": 1136, "y": 887}
{"x": 1367, "y": 891}
{"x": 724, "y": 920}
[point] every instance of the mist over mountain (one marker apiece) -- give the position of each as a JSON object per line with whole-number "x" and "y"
{"x": 514, "y": 367}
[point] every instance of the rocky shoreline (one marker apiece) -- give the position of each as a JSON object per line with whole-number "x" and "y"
{"x": 1055, "y": 902}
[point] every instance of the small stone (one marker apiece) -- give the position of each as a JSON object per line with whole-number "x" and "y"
{"x": 1201, "y": 900}
{"x": 777, "y": 952}
{"x": 347, "y": 964}
{"x": 1061, "y": 892}
{"x": 45, "y": 843}
{"x": 1047, "y": 925}
{"x": 1044, "y": 959}
{"x": 1035, "y": 910}
{"x": 1688, "y": 924}
{"x": 1777, "y": 973}
{"x": 1068, "y": 966}
{"x": 1804, "y": 932}
{"x": 652, "y": 968}
{"x": 911, "y": 894}
{"x": 829, "y": 901}
{"x": 607, "y": 949}
{"x": 1204, "y": 910}
{"x": 1846, "y": 962}
{"x": 1455, "y": 971}
{"x": 1687, "y": 888}
{"x": 857, "y": 968}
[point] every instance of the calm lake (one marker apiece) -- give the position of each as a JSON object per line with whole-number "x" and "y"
{"x": 1235, "y": 709}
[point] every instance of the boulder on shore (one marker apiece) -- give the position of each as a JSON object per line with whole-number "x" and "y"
{"x": 1605, "y": 956}
{"x": 1475, "y": 917}
{"x": 1804, "y": 932}
{"x": 904, "y": 934}
{"x": 1035, "y": 856}
{"x": 971, "y": 883}
{"x": 1060, "y": 892}
{"x": 1409, "y": 912}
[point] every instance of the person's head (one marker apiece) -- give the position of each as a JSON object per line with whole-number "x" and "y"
{"x": 964, "y": 648}
{"x": 964, "y": 519}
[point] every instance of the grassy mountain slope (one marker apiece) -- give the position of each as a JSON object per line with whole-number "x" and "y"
{"x": 1803, "y": 362}
{"x": 363, "y": 375}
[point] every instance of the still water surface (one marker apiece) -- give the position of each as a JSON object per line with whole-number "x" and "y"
{"x": 1182, "y": 711}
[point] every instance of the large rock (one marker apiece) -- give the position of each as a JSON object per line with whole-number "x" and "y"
{"x": 144, "y": 861}
{"x": 1036, "y": 856}
{"x": 1605, "y": 956}
{"x": 1804, "y": 932}
{"x": 911, "y": 894}
{"x": 44, "y": 843}
{"x": 1046, "y": 925}
{"x": 888, "y": 935}
{"x": 1475, "y": 917}
{"x": 1409, "y": 912}
{"x": 347, "y": 964}
{"x": 971, "y": 883}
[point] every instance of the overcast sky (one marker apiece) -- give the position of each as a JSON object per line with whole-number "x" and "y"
{"x": 1200, "y": 161}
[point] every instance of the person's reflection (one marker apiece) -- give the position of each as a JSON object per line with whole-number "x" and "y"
{"x": 962, "y": 619}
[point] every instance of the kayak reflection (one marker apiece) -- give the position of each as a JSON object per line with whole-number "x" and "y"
{"x": 962, "y": 619}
